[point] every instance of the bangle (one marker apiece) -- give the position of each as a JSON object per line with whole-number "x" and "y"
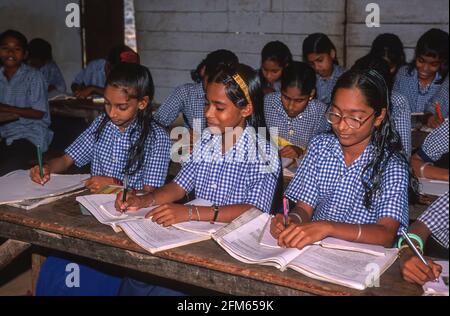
{"x": 297, "y": 216}
{"x": 215, "y": 209}
{"x": 359, "y": 232}
{"x": 412, "y": 236}
{"x": 422, "y": 168}
{"x": 189, "y": 212}
{"x": 198, "y": 213}
{"x": 152, "y": 203}
{"x": 401, "y": 250}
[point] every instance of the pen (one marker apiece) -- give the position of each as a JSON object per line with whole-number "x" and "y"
{"x": 438, "y": 112}
{"x": 414, "y": 249}
{"x": 285, "y": 210}
{"x": 39, "y": 157}
{"x": 125, "y": 188}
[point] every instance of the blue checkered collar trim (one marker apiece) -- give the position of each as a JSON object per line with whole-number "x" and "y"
{"x": 335, "y": 149}
{"x": 278, "y": 107}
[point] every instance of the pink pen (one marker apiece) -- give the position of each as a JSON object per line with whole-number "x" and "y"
{"x": 285, "y": 210}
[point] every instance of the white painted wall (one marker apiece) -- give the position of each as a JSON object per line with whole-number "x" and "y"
{"x": 174, "y": 35}
{"x": 409, "y": 19}
{"x": 46, "y": 19}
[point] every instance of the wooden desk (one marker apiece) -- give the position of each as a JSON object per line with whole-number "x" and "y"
{"x": 60, "y": 226}
{"x": 77, "y": 108}
{"x": 8, "y": 117}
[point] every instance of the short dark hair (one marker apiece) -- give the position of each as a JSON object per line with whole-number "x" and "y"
{"x": 17, "y": 35}
{"x": 40, "y": 49}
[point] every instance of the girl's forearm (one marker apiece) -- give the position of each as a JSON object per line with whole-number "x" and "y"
{"x": 368, "y": 233}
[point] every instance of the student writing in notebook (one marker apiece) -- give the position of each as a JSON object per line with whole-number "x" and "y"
{"x": 421, "y": 79}
{"x": 320, "y": 52}
{"x": 125, "y": 140}
{"x": 432, "y": 223}
{"x": 91, "y": 80}
{"x": 438, "y": 106}
{"x": 293, "y": 111}
{"x": 432, "y": 150}
{"x": 23, "y": 91}
{"x": 232, "y": 165}
{"x": 352, "y": 184}
{"x": 275, "y": 57}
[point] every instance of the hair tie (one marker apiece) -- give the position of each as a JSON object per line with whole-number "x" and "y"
{"x": 241, "y": 83}
{"x": 129, "y": 57}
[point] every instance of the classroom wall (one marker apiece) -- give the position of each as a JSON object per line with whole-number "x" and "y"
{"x": 409, "y": 19}
{"x": 46, "y": 19}
{"x": 174, "y": 35}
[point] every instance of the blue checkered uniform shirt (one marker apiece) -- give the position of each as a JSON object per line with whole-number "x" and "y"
{"x": 243, "y": 175}
{"x": 26, "y": 89}
{"x": 109, "y": 155}
{"x": 336, "y": 192}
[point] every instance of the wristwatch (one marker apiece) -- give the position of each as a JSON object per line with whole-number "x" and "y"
{"x": 215, "y": 209}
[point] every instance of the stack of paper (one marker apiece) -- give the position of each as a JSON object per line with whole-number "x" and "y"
{"x": 17, "y": 188}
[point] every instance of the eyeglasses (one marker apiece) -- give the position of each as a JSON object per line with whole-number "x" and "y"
{"x": 351, "y": 121}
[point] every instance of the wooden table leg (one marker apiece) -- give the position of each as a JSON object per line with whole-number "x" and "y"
{"x": 10, "y": 250}
{"x": 37, "y": 261}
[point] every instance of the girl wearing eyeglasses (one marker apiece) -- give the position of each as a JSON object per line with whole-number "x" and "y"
{"x": 352, "y": 183}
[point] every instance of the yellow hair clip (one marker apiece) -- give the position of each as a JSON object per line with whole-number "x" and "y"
{"x": 243, "y": 87}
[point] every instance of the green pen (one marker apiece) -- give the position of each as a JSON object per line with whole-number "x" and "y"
{"x": 39, "y": 156}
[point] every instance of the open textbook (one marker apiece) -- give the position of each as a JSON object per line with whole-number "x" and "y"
{"x": 266, "y": 239}
{"x": 433, "y": 187}
{"x": 147, "y": 234}
{"x": 355, "y": 269}
{"x": 18, "y": 188}
{"x": 439, "y": 288}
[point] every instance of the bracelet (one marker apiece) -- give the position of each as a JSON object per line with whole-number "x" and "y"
{"x": 189, "y": 212}
{"x": 215, "y": 209}
{"x": 198, "y": 213}
{"x": 422, "y": 168}
{"x": 401, "y": 250}
{"x": 359, "y": 232}
{"x": 412, "y": 236}
{"x": 152, "y": 203}
{"x": 297, "y": 216}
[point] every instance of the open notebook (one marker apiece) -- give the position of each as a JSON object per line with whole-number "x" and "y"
{"x": 18, "y": 189}
{"x": 147, "y": 234}
{"x": 242, "y": 240}
{"x": 439, "y": 288}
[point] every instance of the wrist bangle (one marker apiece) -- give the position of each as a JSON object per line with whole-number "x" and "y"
{"x": 422, "y": 168}
{"x": 189, "y": 212}
{"x": 412, "y": 236}
{"x": 359, "y": 232}
{"x": 198, "y": 213}
{"x": 297, "y": 216}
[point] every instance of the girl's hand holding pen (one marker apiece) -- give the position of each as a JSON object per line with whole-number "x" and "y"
{"x": 36, "y": 177}
{"x": 277, "y": 225}
{"x": 132, "y": 202}
{"x": 415, "y": 271}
